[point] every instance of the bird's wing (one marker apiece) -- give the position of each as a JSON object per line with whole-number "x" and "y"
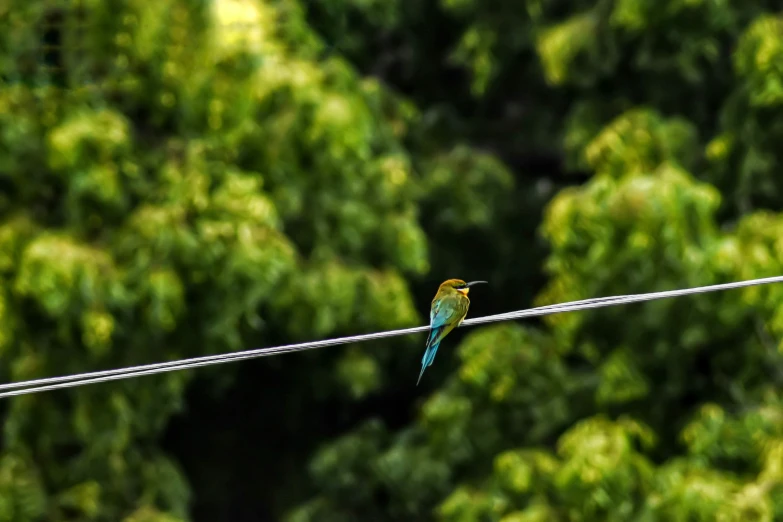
{"x": 446, "y": 310}
{"x": 438, "y": 314}
{"x": 445, "y": 314}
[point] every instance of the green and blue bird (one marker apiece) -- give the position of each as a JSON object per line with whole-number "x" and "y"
{"x": 449, "y": 308}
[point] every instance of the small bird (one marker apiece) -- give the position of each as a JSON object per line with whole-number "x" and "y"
{"x": 448, "y": 310}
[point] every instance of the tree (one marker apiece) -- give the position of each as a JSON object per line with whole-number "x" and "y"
{"x": 645, "y": 412}
{"x": 189, "y": 180}
{"x": 184, "y": 178}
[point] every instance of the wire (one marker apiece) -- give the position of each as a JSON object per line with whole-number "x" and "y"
{"x": 68, "y": 381}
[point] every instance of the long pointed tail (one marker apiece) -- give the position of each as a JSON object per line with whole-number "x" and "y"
{"x": 429, "y": 355}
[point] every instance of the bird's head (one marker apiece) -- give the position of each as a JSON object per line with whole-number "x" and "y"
{"x": 457, "y": 285}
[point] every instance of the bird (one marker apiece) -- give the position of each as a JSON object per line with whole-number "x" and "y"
{"x": 448, "y": 310}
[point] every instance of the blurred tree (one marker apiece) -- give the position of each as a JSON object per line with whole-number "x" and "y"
{"x": 641, "y": 373}
{"x": 618, "y": 389}
{"x": 188, "y": 179}
{"x": 181, "y": 178}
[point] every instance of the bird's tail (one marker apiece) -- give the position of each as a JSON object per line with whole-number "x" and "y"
{"x": 433, "y": 342}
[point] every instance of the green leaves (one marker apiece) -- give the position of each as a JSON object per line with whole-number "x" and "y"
{"x": 466, "y": 188}
{"x": 205, "y": 183}
{"x": 597, "y": 474}
{"x": 22, "y": 495}
{"x": 759, "y": 61}
{"x": 63, "y": 276}
{"x": 190, "y": 178}
{"x": 640, "y": 140}
{"x": 665, "y": 410}
{"x": 559, "y": 46}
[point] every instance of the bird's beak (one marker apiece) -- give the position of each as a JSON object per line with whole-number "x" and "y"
{"x": 476, "y": 283}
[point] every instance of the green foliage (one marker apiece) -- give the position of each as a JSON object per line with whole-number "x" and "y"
{"x": 22, "y": 495}
{"x": 183, "y": 178}
{"x": 197, "y": 181}
{"x": 743, "y": 157}
{"x": 619, "y": 389}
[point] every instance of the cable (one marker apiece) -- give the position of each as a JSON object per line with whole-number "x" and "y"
{"x": 258, "y": 352}
{"x": 68, "y": 381}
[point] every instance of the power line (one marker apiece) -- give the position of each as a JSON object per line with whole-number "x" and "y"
{"x": 68, "y": 381}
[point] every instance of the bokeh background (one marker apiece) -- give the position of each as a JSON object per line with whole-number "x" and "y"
{"x": 190, "y": 177}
